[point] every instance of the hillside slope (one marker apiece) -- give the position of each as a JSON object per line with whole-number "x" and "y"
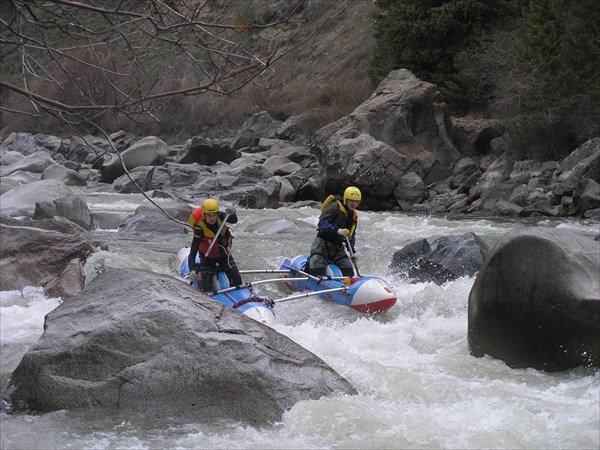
{"x": 324, "y": 78}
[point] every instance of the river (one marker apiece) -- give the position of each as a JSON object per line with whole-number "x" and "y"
{"x": 418, "y": 386}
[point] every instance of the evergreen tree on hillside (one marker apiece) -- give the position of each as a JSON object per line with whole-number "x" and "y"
{"x": 425, "y": 37}
{"x": 558, "y": 47}
{"x": 535, "y": 63}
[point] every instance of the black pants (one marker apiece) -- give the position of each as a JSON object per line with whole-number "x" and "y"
{"x": 323, "y": 253}
{"x": 210, "y": 266}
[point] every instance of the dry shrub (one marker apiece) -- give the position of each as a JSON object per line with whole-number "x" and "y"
{"x": 331, "y": 102}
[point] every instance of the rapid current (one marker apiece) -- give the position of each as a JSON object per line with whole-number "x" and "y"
{"x": 418, "y": 385}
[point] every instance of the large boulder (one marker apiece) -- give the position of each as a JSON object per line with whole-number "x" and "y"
{"x": 587, "y": 195}
{"x": 496, "y": 174}
{"x": 38, "y": 252}
{"x": 410, "y": 190}
{"x": 583, "y": 162}
{"x": 68, "y": 176}
{"x": 10, "y": 157}
{"x": 30, "y": 144}
{"x": 273, "y": 226}
{"x": 35, "y": 163}
{"x": 261, "y": 195}
{"x": 150, "y": 222}
{"x": 7, "y": 183}
{"x": 300, "y": 154}
{"x": 260, "y": 125}
{"x": 280, "y": 165}
{"x": 401, "y": 128}
{"x": 43, "y": 199}
{"x": 536, "y": 301}
{"x": 473, "y": 137}
{"x": 138, "y": 180}
{"x": 445, "y": 259}
{"x": 73, "y": 208}
{"x": 207, "y": 152}
{"x": 159, "y": 348}
{"x": 149, "y": 151}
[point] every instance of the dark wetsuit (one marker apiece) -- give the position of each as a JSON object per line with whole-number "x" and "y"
{"x": 328, "y": 246}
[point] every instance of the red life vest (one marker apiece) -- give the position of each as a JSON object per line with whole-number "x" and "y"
{"x": 209, "y": 235}
{"x": 196, "y": 216}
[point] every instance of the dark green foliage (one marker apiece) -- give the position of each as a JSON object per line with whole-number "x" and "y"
{"x": 535, "y": 140}
{"x": 558, "y": 46}
{"x": 534, "y": 62}
{"x": 425, "y": 36}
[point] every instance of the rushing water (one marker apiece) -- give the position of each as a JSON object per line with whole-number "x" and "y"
{"x": 418, "y": 386}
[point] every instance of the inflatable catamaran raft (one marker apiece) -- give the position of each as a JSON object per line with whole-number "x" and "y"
{"x": 366, "y": 294}
{"x": 241, "y": 298}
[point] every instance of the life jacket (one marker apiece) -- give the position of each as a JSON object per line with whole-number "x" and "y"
{"x": 342, "y": 218}
{"x": 225, "y": 239}
{"x": 196, "y": 216}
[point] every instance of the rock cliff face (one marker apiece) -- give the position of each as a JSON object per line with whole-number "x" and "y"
{"x": 400, "y": 129}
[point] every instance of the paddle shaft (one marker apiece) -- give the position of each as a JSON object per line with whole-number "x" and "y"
{"x": 272, "y": 280}
{"x": 351, "y": 255}
{"x": 216, "y": 235}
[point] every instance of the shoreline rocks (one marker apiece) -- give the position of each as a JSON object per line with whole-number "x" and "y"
{"x": 399, "y": 147}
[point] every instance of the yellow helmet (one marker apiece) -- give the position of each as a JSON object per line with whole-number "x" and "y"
{"x": 352, "y": 193}
{"x": 210, "y": 205}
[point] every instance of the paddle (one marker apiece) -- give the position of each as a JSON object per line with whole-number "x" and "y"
{"x": 216, "y": 235}
{"x": 351, "y": 254}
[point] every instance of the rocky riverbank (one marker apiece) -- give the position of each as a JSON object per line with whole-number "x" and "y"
{"x": 400, "y": 147}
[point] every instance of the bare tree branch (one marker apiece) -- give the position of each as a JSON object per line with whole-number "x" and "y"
{"x": 80, "y": 60}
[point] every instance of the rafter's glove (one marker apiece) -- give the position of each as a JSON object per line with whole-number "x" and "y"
{"x": 343, "y": 232}
{"x": 230, "y": 210}
{"x": 193, "y": 276}
{"x": 354, "y": 258}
